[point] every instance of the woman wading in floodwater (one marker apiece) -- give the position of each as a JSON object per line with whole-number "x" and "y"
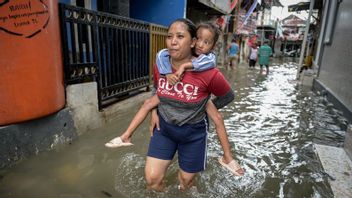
{"x": 181, "y": 112}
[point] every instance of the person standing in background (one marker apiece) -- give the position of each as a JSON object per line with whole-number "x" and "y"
{"x": 232, "y": 53}
{"x": 264, "y": 54}
{"x": 253, "y": 55}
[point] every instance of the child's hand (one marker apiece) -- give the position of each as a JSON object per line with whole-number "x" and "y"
{"x": 172, "y": 79}
{"x": 179, "y": 72}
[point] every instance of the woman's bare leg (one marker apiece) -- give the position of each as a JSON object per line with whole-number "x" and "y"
{"x": 185, "y": 179}
{"x": 155, "y": 170}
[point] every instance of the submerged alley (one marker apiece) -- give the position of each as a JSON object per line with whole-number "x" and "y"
{"x": 74, "y": 73}
{"x": 272, "y": 124}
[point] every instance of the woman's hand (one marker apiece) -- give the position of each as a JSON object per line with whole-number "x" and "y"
{"x": 154, "y": 122}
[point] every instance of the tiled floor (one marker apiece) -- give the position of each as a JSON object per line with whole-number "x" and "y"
{"x": 339, "y": 168}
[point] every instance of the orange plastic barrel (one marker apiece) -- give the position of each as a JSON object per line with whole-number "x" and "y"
{"x": 31, "y": 71}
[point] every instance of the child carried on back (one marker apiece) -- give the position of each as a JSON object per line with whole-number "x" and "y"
{"x": 207, "y": 35}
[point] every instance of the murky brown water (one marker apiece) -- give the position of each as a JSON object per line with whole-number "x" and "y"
{"x": 272, "y": 125}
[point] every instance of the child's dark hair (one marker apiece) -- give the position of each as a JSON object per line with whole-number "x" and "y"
{"x": 212, "y": 28}
{"x": 191, "y": 28}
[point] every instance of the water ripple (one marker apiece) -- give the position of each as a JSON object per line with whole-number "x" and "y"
{"x": 272, "y": 125}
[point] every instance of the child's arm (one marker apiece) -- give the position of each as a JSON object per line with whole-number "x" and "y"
{"x": 142, "y": 113}
{"x": 183, "y": 68}
{"x": 204, "y": 62}
{"x": 165, "y": 67}
{"x": 163, "y": 62}
{"x": 214, "y": 114}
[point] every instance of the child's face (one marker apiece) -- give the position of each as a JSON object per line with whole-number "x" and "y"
{"x": 205, "y": 41}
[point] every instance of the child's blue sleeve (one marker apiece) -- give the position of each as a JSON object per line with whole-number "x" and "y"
{"x": 204, "y": 62}
{"x": 163, "y": 62}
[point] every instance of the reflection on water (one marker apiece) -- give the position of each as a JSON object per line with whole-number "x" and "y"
{"x": 272, "y": 125}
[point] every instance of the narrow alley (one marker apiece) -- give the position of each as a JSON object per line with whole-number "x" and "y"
{"x": 272, "y": 125}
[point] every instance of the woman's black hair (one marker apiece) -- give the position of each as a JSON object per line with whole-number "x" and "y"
{"x": 191, "y": 28}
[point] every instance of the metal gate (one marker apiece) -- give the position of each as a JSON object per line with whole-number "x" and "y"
{"x": 109, "y": 49}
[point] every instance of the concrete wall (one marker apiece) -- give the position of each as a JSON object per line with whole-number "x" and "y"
{"x": 82, "y": 100}
{"x": 20, "y": 141}
{"x": 335, "y": 72}
{"x": 23, "y": 140}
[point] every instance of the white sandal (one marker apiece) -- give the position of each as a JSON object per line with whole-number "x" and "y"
{"x": 117, "y": 142}
{"x": 234, "y": 167}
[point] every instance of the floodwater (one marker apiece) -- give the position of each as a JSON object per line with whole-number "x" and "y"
{"x": 272, "y": 125}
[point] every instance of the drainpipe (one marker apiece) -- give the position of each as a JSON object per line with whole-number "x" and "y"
{"x": 262, "y": 22}
{"x": 305, "y": 38}
{"x": 235, "y": 28}
{"x": 317, "y": 56}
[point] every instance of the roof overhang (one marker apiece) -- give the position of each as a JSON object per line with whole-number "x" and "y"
{"x": 197, "y": 5}
{"x": 305, "y": 6}
{"x": 269, "y": 3}
{"x": 221, "y": 6}
{"x": 265, "y": 27}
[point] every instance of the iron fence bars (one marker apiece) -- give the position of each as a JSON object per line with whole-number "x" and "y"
{"x": 77, "y": 31}
{"x": 112, "y": 50}
{"x": 123, "y": 48}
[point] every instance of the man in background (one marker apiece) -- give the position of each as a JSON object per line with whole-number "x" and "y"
{"x": 264, "y": 54}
